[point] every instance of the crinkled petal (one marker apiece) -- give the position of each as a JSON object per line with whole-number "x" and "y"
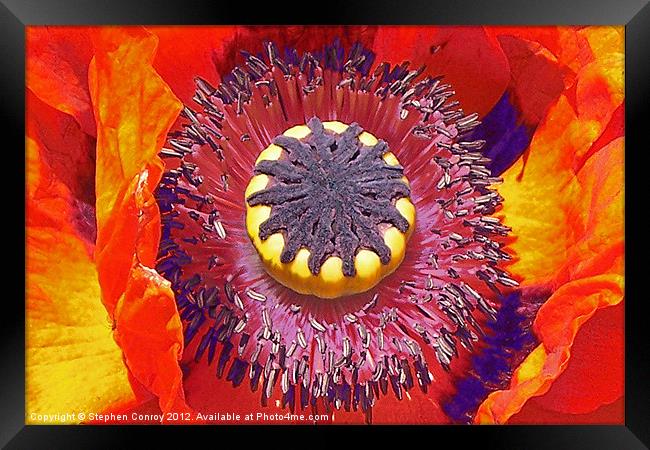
{"x": 567, "y": 309}
{"x": 149, "y": 332}
{"x": 72, "y": 361}
{"x": 542, "y": 191}
{"x": 567, "y": 214}
{"x": 134, "y": 109}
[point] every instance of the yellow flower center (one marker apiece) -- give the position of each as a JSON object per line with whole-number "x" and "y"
{"x": 330, "y": 279}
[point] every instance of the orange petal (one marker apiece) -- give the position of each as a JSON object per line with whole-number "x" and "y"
{"x": 598, "y": 216}
{"x": 134, "y": 109}
{"x": 72, "y": 362}
{"x": 566, "y": 210}
{"x": 566, "y": 310}
{"x": 542, "y": 192}
{"x": 57, "y": 70}
{"x": 538, "y": 202}
{"x": 149, "y": 331}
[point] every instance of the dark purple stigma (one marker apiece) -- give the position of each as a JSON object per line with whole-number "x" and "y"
{"x": 330, "y": 195}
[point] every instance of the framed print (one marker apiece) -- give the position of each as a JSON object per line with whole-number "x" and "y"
{"x": 397, "y": 216}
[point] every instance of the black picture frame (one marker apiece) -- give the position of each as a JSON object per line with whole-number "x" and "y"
{"x": 15, "y": 15}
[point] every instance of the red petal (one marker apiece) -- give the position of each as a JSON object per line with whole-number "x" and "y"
{"x": 57, "y": 70}
{"x": 470, "y": 60}
{"x": 595, "y": 373}
{"x": 186, "y": 52}
{"x": 65, "y": 148}
{"x": 211, "y": 52}
{"x": 611, "y": 414}
{"x": 536, "y": 80}
{"x": 565, "y": 44}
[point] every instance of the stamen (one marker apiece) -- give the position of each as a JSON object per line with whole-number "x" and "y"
{"x": 342, "y": 354}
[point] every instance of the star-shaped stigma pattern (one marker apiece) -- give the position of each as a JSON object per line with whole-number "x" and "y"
{"x": 332, "y": 195}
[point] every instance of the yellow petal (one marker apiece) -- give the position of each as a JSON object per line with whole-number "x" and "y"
{"x": 72, "y": 362}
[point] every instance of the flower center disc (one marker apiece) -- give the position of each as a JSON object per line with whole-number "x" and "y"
{"x": 328, "y": 209}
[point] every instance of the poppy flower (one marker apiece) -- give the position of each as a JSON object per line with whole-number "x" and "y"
{"x": 380, "y": 224}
